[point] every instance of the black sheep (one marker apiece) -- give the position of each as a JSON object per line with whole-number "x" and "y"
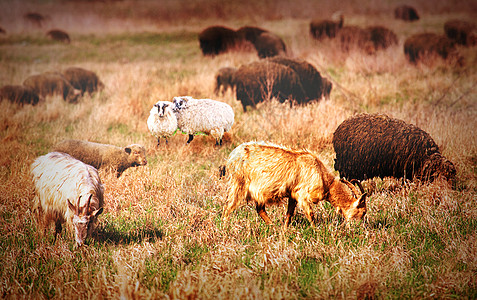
{"x": 83, "y": 80}
{"x": 19, "y": 94}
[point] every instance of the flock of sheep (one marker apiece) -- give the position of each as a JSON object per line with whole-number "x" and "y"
{"x": 68, "y": 187}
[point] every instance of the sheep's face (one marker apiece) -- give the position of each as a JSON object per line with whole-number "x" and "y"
{"x": 136, "y": 155}
{"x": 180, "y": 103}
{"x": 83, "y": 219}
{"x": 161, "y": 108}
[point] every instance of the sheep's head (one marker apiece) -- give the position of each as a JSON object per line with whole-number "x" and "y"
{"x": 136, "y": 155}
{"x": 438, "y": 166}
{"x": 83, "y": 219}
{"x": 348, "y": 200}
{"x": 180, "y": 102}
{"x": 162, "y": 107}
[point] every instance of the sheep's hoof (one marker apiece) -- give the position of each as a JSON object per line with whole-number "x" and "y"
{"x": 191, "y": 137}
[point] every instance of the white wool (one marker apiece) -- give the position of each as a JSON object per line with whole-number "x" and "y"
{"x": 58, "y": 177}
{"x": 162, "y": 121}
{"x": 203, "y": 115}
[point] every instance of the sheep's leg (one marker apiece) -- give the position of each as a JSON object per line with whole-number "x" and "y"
{"x": 263, "y": 214}
{"x": 290, "y": 211}
{"x": 218, "y": 142}
{"x": 159, "y": 141}
{"x": 58, "y": 229}
{"x": 191, "y": 137}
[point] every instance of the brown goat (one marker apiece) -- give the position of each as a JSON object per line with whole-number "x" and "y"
{"x": 264, "y": 174}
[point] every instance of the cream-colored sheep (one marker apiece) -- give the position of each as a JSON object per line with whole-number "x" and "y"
{"x": 59, "y": 180}
{"x": 162, "y": 121}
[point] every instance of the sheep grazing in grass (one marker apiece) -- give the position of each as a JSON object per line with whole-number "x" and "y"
{"x": 375, "y": 145}
{"x": 52, "y": 83}
{"x": 109, "y": 157}
{"x": 59, "y": 35}
{"x": 67, "y": 190}
{"x": 462, "y": 32}
{"x": 19, "y": 94}
{"x": 83, "y": 80}
{"x": 224, "y": 80}
{"x": 406, "y": 13}
{"x": 423, "y": 46}
{"x": 203, "y": 116}
{"x": 162, "y": 121}
{"x": 269, "y": 44}
{"x": 320, "y": 29}
{"x": 265, "y": 174}
{"x": 216, "y": 40}
{"x": 36, "y": 18}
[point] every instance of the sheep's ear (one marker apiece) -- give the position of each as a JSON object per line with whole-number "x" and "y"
{"x": 128, "y": 150}
{"x": 97, "y": 212}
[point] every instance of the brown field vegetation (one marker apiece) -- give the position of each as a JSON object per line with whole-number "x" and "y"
{"x": 161, "y": 234}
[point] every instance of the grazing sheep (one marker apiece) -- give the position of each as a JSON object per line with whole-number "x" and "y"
{"x": 263, "y": 80}
{"x": 203, "y": 115}
{"x": 320, "y": 29}
{"x": 83, "y": 80}
{"x": 312, "y": 82}
{"x": 269, "y": 45}
{"x": 52, "y": 83}
{"x": 264, "y": 174}
{"x": 59, "y": 180}
{"x": 250, "y": 33}
{"x": 354, "y": 37}
{"x": 382, "y": 37}
{"x": 59, "y": 35}
{"x": 462, "y": 32}
{"x": 224, "y": 79}
{"x": 162, "y": 121}
{"x": 35, "y": 18}
{"x": 19, "y": 94}
{"x": 109, "y": 157}
{"x": 375, "y": 145}
{"x": 424, "y": 45}
{"x": 215, "y": 40}
{"x": 406, "y": 13}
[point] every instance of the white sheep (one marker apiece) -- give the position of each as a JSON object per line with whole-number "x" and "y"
{"x": 162, "y": 121}
{"x": 203, "y": 115}
{"x": 59, "y": 179}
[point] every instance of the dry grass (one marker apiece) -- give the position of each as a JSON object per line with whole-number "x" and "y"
{"x": 161, "y": 234}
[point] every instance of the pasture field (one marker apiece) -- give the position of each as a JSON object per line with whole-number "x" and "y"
{"x": 161, "y": 234}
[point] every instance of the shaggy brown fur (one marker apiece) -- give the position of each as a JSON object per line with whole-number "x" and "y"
{"x": 269, "y": 44}
{"x": 109, "y": 157}
{"x": 320, "y": 29}
{"x": 313, "y": 84}
{"x": 425, "y": 45}
{"x": 19, "y": 94}
{"x": 83, "y": 80}
{"x": 462, "y": 32}
{"x": 354, "y": 37}
{"x": 406, "y": 13}
{"x": 382, "y": 37}
{"x": 59, "y": 35}
{"x": 224, "y": 79}
{"x": 266, "y": 174}
{"x": 260, "y": 81}
{"x": 215, "y": 40}
{"x": 375, "y": 145}
{"x": 250, "y": 33}
{"x": 52, "y": 83}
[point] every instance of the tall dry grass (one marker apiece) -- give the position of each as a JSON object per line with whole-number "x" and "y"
{"x": 161, "y": 235}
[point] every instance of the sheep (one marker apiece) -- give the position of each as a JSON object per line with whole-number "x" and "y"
{"x": 269, "y": 44}
{"x": 109, "y": 157}
{"x": 313, "y": 84}
{"x": 224, "y": 79}
{"x": 162, "y": 121}
{"x": 320, "y": 29}
{"x": 59, "y": 179}
{"x": 36, "y": 18}
{"x": 262, "y": 80}
{"x": 406, "y": 13}
{"x": 59, "y": 35}
{"x": 462, "y": 32}
{"x": 250, "y": 33}
{"x": 52, "y": 83}
{"x": 382, "y": 37}
{"x": 263, "y": 174}
{"x": 215, "y": 40}
{"x": 423, "y": 45}
{"x": 19, "y": 94}
{"x": 83, "y": 80}
{"x": 375, "y": 145}
{"x": 203, "y": 115}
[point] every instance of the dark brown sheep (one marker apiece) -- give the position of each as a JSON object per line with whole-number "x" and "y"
{"x": 35, "y": 18}
{"x": 260, "y": 81}
{"x": 312, "y": 82}
{"x": 406, "y": 13}
{"x": 83, "y": 80}
{"x": 215, "y": 40}
{"x": 382, "y": 37}
{"x": 250, "y": 33}
{"x": 269, "y": 44}
{"x": 52, "y": 83}
{"x": 320, "y": 29}
{"x": 19, "y": 94}
{"x": 354, "y": 37}
{"x": 224, "y": 79}
{"x": 375, "y": 145}
{"x": 462, "y": 32}
{"x": 59, "y": 35}
{"x": 423, "y": 45}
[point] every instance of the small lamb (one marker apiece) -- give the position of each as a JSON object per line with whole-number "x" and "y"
{"x": 162, "y": 121}
{"x": 203, "y": 115}
{"x": 106, "y": 156}
{"x": 60, "y": 179}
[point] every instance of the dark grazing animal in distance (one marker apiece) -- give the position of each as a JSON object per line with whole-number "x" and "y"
{"x": 59, "y": 35}
{"x": 224, "y": 80}
{"x": 19, "y": 94}
{"x": 215, "y": 40}
{"x": 52, "y": 83}
{"x": 320, "y": 29}
{"x": 406, "y": 13}
{"x": 424, "y": 45}
{"x": 83, "y": 80}
{"x": 375, "y": 145}
{"x": 462, "y": 32}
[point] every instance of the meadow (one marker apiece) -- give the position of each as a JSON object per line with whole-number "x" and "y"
{"x": 161, "y": 234}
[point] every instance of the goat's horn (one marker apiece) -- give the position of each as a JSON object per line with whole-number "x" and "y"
{"x": 358, "y": 183}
